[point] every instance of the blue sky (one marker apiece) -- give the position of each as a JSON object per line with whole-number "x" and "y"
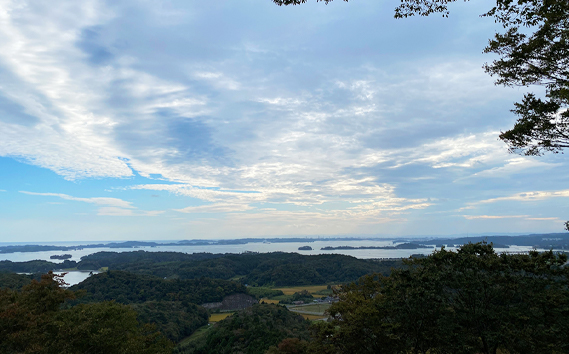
{"x": 220, "y": 119}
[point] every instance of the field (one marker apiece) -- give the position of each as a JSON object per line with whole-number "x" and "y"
{"x": 196, "y": 335}
{"x": 312, "y": 317}
{"x": 269, "y": 301}
{"x": 310, "y": 308}
{"x": 216, "y": 317}
{"x": 310, "y": 288}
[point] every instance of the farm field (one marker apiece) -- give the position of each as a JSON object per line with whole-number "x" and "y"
{"x": 269, "y": 301}
{"x": 312, "y": 317}
{"x": 196, "y": 335}
{"x": 310, "y": 288}
{"x": 310, "y": 308}
{"x": 216, "y": 317}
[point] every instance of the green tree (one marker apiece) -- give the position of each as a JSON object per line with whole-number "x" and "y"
{"x": 253, "y": 330}
{"x": 469, "y": 301}
{"x": 360, "y": 321}
{"x": 32, "y": 321}
{"x": 289, "y": 346}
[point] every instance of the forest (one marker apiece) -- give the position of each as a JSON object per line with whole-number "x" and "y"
{"x": 473, "y": 300}
{"x": 275, "y": 269}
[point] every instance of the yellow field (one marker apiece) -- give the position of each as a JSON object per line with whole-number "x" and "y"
{"x": 310, "y": 288}
{"x": 269, "y": 301}
{"x": 311, "y": 308}
{"x": 216, "y": 317}
{"x": 313, "y": 317}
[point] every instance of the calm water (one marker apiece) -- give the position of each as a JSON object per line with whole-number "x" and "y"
{"x": 252, "y": 247}
{"x": 75, "y": 277}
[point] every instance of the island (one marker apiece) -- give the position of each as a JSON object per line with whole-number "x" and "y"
{"x": 405, "y": 246}
{"x": 60, "y": 256}
{"x": 305, "y": 248}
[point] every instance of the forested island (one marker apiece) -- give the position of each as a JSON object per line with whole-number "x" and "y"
{"x": 61, "y": 256}
{"x": 403, "y": 246}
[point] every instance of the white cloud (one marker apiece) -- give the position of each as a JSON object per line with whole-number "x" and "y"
{"x": 114, "y": 211}
{"x": 474, "y": 217}
{"x": 525, "y": 217}
{"x": 216, "y": 208}
{"x": 113, "y": 202}
{"x": 107, "y": 206}
{"x": 529, "y": 196}
{"x": 235, "y": 120}
{"x": 219, "y": 80}
{"x": 517, "y": 165}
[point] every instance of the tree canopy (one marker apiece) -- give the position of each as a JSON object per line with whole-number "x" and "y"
{"x": 470, "y": 301}
{"x": 533, "y": 50}
{"x": 277, "y": 268}
{"x": 32, "y": 320}
{"x": 253, "y": 330}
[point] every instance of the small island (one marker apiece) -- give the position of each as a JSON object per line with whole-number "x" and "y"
{"x": 60, "y": 256}
{"x": 305, "y": 248}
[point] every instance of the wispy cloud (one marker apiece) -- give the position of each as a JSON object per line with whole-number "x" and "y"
{"x": 246, "y": 118}
{"x": 529, "y": 196}
{"x": 474, "y": 217}
{"x": 525, "y": 217}
{"x": 107, "y": 206}
{"x": 216, "y": 208}
{"x": 113, "y": 202}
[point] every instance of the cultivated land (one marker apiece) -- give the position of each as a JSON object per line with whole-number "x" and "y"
{"x": 313, "y": 289}
{"x": 313, "y": 317}
{"x": 318, "y": 308}
{"x": 269, "y": 301}
{"x": 216, "y": 317}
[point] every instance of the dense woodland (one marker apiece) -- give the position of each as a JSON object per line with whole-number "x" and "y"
{"x": 35, "y": 320}
{"x": 250, "y": 331}
{"x": 469, "y": 301}
{"x": 275, "y": 269}
{"x": 171, "y": 305}
{"x": 128, "y": 288}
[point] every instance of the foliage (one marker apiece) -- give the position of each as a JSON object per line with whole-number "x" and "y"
{"x": 252, "y": 330}
{"x": 14, "y": 281}
{"x": 289, "y": 346}
{"x": 168, "y": 304}
{"x": 302, "y": 295}
{"x": 271, "y": 269}
{"x": 128, "y": 288}
{"x": 138, "y": 259}
{"x": 36, "y": 266}
{"x": 263, "y": 292}
{"x": 469, "y": 301}
{"x": 174, "y": 319}
{"x": 105, "y": 327}
{"x": 32, "y": 321}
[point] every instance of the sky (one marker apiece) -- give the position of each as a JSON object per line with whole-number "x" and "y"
{"x": 166, "y": 120}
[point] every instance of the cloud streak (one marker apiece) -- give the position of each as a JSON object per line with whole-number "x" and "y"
{"x": 248, "y": 123}
{"x": 107, "y": 206}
